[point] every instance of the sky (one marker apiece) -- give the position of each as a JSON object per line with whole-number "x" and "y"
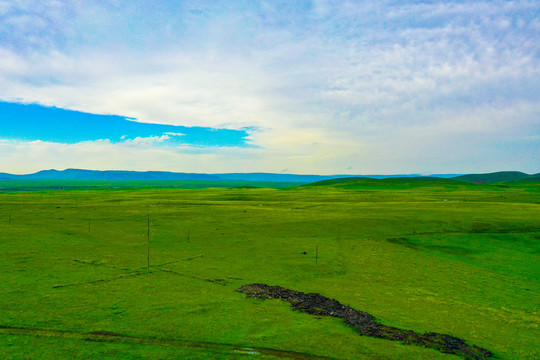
{"x": 304, "y": 87}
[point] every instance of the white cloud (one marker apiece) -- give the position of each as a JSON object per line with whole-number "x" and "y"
{"x": 145, "y": 141}
{"x": 375, "y": 86}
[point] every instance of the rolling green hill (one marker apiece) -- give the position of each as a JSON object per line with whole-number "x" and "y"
{"x": 398, "y": 183}
{"x": 531, "y": 179}
{"x": 423, "y": 181}
{"x": 499, "y": 176}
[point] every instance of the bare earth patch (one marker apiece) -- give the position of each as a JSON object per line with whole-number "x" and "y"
{"x": 364, "y": 323}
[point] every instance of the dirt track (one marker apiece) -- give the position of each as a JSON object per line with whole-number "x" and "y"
{"x": 111, "y": 337}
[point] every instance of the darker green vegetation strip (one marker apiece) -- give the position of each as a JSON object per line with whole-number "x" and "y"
{"x": 365, "y": 323}
{"x": 454, "y": 250}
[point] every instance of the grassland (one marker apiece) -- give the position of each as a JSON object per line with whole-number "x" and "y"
{"x": 439, "y": 256}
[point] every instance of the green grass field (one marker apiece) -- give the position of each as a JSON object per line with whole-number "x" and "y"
{"x": 448, "y": 257}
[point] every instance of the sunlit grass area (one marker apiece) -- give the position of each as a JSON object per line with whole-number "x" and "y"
{"x": 448, "y": 257}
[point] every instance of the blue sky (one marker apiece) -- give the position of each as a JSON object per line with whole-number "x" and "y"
{"x": 358, "y": 87}
{"x": 32, "y": 122}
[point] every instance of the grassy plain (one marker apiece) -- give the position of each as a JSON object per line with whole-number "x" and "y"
{"x": 444, "y": 256}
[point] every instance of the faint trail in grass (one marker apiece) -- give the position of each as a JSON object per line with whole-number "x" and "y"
{"x": 168, "y": 263}
{"x": 215, "y": 281}
{"x": 138, "y": 272}
{"x": 100, "y": 264}
{"x": 190, "y": 258}
{"x": 184, "y": 259}
{"x": 133, "y": 274}
{"x": 112, "y": 337}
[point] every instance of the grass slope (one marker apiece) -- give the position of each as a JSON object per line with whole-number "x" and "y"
{"x": 459, "y": 259}
{"x": 396, "y": 183}
{"x": 531, "y": 179}
{"x": 495, "y": 177}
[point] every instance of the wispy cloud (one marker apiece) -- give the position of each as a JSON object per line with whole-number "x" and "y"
{"x": 323, "y": 86}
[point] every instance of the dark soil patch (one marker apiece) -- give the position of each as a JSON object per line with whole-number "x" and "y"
{"x": 364, "y": 323}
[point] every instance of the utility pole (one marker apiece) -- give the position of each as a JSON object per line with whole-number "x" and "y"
{"x": 148, "y": 245}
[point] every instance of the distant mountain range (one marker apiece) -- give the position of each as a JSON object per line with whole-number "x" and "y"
{"x": 111, "y": 175}
{"x": 165, "y": 175}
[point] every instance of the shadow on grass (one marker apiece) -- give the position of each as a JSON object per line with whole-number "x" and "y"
{"x": 453, "y": 250}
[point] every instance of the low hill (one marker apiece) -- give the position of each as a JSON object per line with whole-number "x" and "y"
{"x": 277, "y": 177}
{"x": 400, "y": 182}
{"x": 7, "y": 176}
{"x": 531, "y": 179}
{"x": 495, "y": 177}
{"x": 341, "y": 181}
